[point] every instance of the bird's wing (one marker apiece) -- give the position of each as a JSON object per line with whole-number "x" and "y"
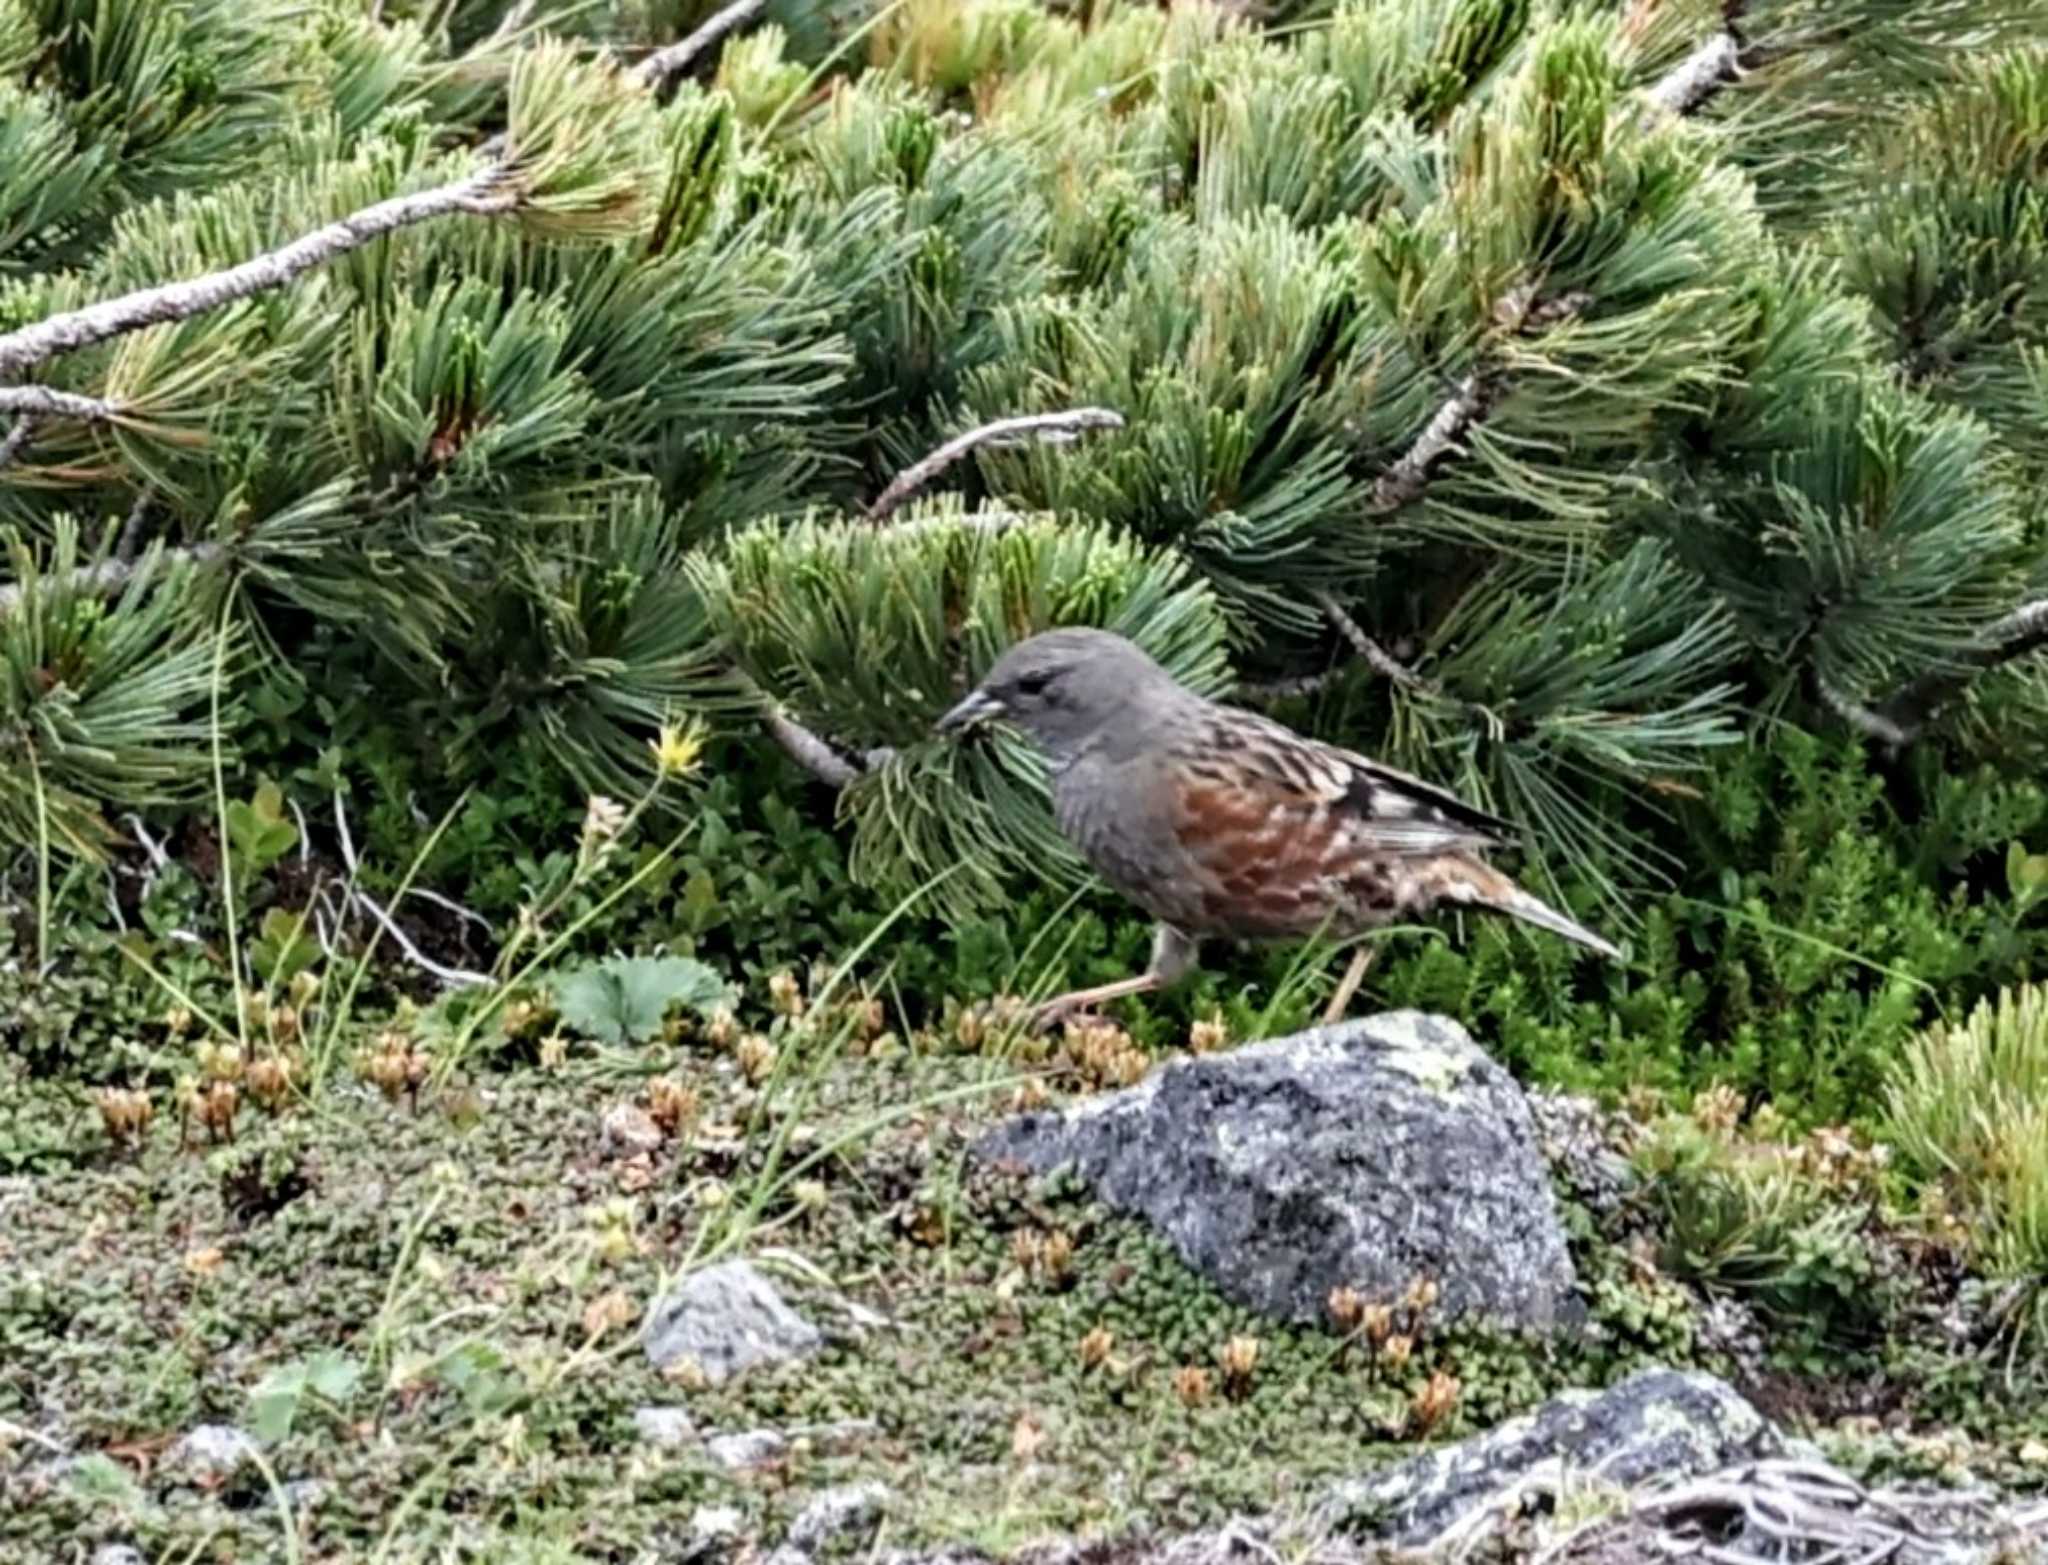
{"x": 1281, "y": 830}
{"x": 1377, "y": 809}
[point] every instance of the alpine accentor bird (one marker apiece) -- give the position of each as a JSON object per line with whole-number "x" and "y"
{"x": 1224, "y": 824}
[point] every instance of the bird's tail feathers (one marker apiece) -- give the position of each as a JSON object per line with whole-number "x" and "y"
{"x": 1486, "y": 886}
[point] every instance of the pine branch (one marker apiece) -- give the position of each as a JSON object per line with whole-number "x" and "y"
{"x": 43, "y": 402}
{"x": 1865, "y": 720}
{"x": 1408, "y": 475}
{"x": 1694, "y": 80}
{"x": 109, "y": 576}
{"x": 17, "y": 440}
{"x": 662, "y": 65}
{"x": 1377, "y": 657}
{"x": 1004, "y": 431}
{"x": 819, "y": 756}
{"x": 1903, "y": 716}
{"x": 482, "y": 194}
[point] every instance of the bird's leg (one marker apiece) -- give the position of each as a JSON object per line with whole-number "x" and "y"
{"x": 1173, "y": 957}
{"x": 1347, "y": 986}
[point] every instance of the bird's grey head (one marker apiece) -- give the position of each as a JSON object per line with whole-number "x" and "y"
{"x": 1067, "y": 689}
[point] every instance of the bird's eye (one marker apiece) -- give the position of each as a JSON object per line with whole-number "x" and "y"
{"x": 1033, "y": 684}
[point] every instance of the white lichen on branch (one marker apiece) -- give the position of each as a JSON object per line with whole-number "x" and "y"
{"x": 1004, "y": 431}
{"x": 484, "y": 194}
{"x": 672, "y": 61}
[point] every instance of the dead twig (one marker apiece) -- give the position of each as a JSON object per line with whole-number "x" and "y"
{"x": 1377, "y": 657}
{"x": 1049, "y": 427}
{"x": 1903, "y": 716}
{"x": 47, "y": 402}
{"x": 1689, "y": 84}
{"x": 482, "y": 194}
{"x": 664, "y": 64}
{"x": 110, "y": 576}
{"x": 454, "y": 977}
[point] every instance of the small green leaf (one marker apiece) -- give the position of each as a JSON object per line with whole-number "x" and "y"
{"x": 258, "y": 833}
{"x": 284, "y": 947}
{"x": 624, "y": 999}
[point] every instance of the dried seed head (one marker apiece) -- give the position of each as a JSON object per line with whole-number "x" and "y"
{"x": 519, "y": 1018}
{"x": 869, "y": 1017}
{"x": 1434, "y": 1402}
{"x": 1396, "y": 1351}
{"x": 1206, "y": 1037}
{"x": 1096, "y": 1346}
{"x": 756, "y": 1056}
{"x": 125, "y": 1112}
{"x": 1031, "y": 1095}
{"x": 220, "y": 1061}
{"x": 177, "y": 1021}
{"x": 1026, "y": 1247}
{"x": 1718, "y": 1109}
{"x": 1191, "y": 1385}
{"x": 606, "y": 1313}
{"x": 217, "y": 1106}
{"x": 554, "y": 1051}
{"x": 603, "y": 819}
{"x": 1238, "y": 1358}
{"x": 671, "y": 1105}
{"x": 1056, "y": 1256}
{"x": 270, "y": 1078}
{"x": 785, "y": 994}
{"x": 1377, "y": 1322}
{"x": 722, "y": 1029}
{"x": 304, "y": 988}
{"x": 1347, "y": 1307}
{"x": 1421, "y": 1294}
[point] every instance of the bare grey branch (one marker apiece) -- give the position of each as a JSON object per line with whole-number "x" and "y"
{"x": 663, "y": 64}
{"x": 484, "y": 193}
{"x": 1039, "y": 426}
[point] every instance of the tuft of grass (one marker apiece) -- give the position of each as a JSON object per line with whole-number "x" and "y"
{"x": 1967, "y": 1107}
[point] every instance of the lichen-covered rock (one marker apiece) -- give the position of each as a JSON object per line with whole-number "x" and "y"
{"x": 1360, "y": 1155}
{"x": 847, "y": 1514}
{"x": 725, "y": 1319}
{"x": 209, "y": 1454}
{"x": 665, "y": 1426}
{"x": 1658, "y": 1423}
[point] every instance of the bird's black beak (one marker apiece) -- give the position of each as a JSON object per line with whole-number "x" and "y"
{"x": 979, "y": 707}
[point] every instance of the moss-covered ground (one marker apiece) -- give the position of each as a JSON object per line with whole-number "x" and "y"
{"x": 427, "y": 1309}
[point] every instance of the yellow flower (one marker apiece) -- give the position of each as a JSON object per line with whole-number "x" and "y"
{"x": 679, "y": 748}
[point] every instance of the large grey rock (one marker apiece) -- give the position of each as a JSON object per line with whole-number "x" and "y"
{"x": 1363, "y": 1154}
{"x": 1658, "y": 1423}
{"x": 727, "y": 1318}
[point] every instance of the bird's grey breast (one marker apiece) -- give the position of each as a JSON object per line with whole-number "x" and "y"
{"x": 1118, "y": 812}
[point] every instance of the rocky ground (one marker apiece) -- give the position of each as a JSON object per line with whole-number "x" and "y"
{"x": 1317, "y": 1299}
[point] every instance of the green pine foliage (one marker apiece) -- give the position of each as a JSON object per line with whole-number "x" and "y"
{"x": 1648, "y": 430}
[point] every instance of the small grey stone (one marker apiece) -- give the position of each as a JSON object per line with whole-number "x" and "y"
{"x": 715, "y": 1533}
{"x": 748, "y": 1448}
{"x": 847, "y": 1513}
{"x": 727, "y": 1318}
{"x": 1657, "y": 1423}
{"x": 628, "y": 1129}
{"x": 665, "y": 1426}
{"x": 1359, "y": 1155}
{"x": 119, "y": 1554}
{"x": 209, "y": 1453}
{"x": 302, "y": 1494}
